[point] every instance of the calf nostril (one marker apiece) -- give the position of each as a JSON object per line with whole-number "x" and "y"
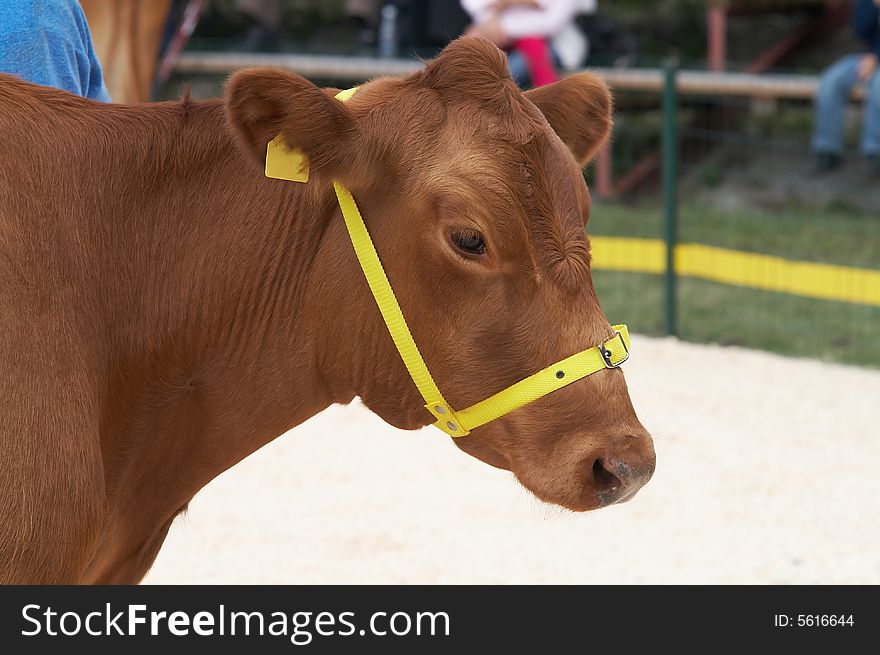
{"x": 605, "y": 479}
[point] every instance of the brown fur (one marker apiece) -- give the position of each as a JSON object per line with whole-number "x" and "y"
{"x": 167, "y": 310}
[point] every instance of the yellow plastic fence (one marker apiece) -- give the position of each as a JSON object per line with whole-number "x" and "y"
{"x": 746, "y": 269}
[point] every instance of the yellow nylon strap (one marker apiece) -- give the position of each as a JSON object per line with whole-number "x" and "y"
{"x": 548, "y": 380}
{"x": 460, "y": 423}
{"x": 610, "y": 354}
{"x": 385, "y": 298}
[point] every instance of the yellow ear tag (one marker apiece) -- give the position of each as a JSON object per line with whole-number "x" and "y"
{"x": 283, "y": 163}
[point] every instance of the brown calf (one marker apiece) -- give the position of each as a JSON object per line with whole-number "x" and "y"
{"x": 167, "y": 310}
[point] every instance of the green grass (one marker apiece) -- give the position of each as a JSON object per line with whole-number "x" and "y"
{"x": 728, "y": 315}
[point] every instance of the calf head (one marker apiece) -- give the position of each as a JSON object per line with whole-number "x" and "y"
{"x": 473, "y": 193}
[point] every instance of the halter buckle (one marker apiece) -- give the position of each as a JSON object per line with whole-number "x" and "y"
{"x": 607, "y": 355}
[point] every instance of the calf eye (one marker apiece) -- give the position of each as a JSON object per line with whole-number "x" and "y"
{"x": 470, "y": 242}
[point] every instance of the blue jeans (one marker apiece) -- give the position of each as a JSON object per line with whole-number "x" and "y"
{"x": 519, "y": 67}
{"x": 834, "y": 88}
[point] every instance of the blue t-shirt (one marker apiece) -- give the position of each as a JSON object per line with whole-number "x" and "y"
{"x": 48, "y": 42}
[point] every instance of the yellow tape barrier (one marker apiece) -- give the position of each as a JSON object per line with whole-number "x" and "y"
{"x": 809, "y": 279}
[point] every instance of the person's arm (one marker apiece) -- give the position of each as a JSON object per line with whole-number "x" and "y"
{"x": 500, "y": 5}
{"x": 518, "y": 23}
{"x": 478, "y": 10}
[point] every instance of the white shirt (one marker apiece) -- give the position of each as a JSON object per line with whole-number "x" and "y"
{"x": 554, "y": 21}
{"x": 520, "y": 22}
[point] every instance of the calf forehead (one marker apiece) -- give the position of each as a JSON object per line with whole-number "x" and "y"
{"x": 514, "y": 171}
{"x": 536, "y": 173}
{"x": 557, "y": 192}
{"x": 557, "y": 213}
{"x": 537, "y": 186}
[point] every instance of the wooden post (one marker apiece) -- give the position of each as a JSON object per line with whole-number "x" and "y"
{"x": 604, "y": 181}
{"x": 669, "y": 174}
{"x": 716, "y": 30}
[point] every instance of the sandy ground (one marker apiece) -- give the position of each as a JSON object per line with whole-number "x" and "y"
{"x": 768, "y": 472}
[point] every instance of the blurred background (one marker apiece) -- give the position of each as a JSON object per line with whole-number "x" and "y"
{"x": 715, "y": 105}
{"x": 735, "y": 228}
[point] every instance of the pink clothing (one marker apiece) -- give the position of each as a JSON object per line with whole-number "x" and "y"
{"x": 537, "y": 53}
{"x": 530, "y": 30}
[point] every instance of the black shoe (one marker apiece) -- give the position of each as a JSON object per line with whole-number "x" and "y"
{"x": 826, "y": 162}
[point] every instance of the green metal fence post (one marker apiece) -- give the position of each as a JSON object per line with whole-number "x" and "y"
{"x": 670, "y": 191}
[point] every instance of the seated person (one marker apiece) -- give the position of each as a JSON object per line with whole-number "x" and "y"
{"x": 525, "y": 28}
{"x": 835, "y": 86}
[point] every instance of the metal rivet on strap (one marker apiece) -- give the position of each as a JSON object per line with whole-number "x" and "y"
{"x": 560, "y": 374}
{"x": 452, "y": 426}
{"x": 439, "y": 409}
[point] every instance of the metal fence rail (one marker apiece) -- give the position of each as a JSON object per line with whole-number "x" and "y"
{"x": 765, "y": 85}
{"x": 320, "y": 66}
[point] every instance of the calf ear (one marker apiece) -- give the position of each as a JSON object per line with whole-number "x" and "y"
{"x": 262, "y": 103}
{"x": 469, "y": 66}
{"x": 578, "y": 109}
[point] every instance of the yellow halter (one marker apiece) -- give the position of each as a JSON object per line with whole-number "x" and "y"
{"x": 287, "y": 164}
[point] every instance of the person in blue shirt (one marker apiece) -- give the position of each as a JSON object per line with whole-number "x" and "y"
{"x": 48, "y": 42}
{"x": 835, "y": 86}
